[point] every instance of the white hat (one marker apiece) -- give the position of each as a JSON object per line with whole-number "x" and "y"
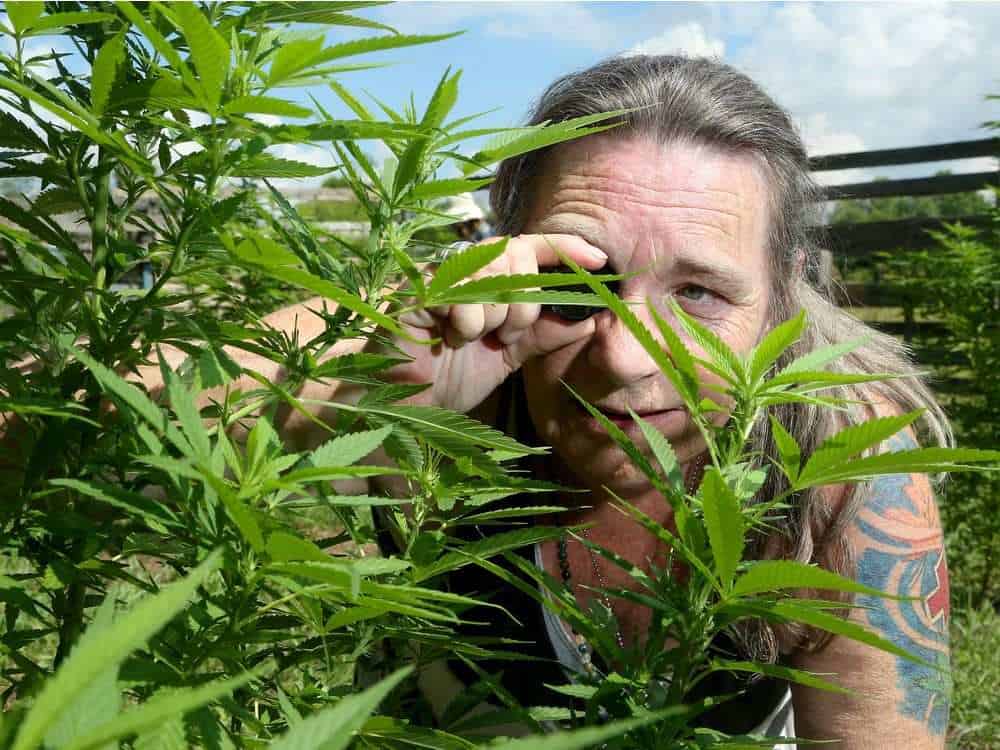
{"x": 463, "y": 207}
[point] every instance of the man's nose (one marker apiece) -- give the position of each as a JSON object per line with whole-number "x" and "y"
{"x": 616, "y": 353}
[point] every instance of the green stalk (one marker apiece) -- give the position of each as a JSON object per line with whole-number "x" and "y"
{"x": 99, "y": 227}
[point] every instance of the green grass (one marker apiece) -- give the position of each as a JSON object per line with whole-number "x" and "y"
{"x": 975, "y": 713}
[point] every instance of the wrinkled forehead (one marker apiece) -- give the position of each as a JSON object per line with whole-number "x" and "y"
{"x": 645, "y": 203}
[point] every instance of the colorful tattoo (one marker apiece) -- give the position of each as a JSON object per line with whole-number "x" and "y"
{"x": 904, "y": 555}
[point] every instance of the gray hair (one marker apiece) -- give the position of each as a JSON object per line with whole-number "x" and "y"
{"x": 705, "y": 102}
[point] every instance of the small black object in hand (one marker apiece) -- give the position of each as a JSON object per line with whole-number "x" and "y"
{"x": 576, "y": 312}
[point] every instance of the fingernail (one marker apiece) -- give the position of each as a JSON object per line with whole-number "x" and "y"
{"x": 596, "y": 254}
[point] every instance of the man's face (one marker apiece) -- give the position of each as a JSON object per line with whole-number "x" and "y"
{"x": 694, "y": 221}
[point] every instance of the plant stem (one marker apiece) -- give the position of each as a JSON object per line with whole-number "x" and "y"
{"x": 99, "y": 227}
{"x": 72, "y": 620}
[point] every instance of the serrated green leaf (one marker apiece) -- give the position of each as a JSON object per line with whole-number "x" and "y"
{"x": 293, "y": 57}
{"x": 377, "y": 44}
{"x": 788, "y": 450}
{"x": 790, "y": 610}
{"x": 24, "y": 14}
{"x": 798, "y": 676}
{"x": 266, "y": 165}
{"x": 90, "y": 659}
{"x": 58, "y": 103}
{"x": 574, "y": 690}
{"x": 167, "y": 735}
{"x": 16, "y": 134}
{"x": 365, "y": 501}
{"x": 182, "y": 402}
{"x": 140, "y": 505}
{"x": 348, "y": 449}
{"x": 261, "y": 250}
{"x": 491, "y": 286}
{"x": 663, "y": 451}
{"x": 55, "y": 201}
{"x": 918, "y": 461}
{"x": 209, "y": 51}
{"x": 453, "y": 432}
{"x": 284, "y": 547}
{"x": 30, "y": 221}
{"x": 727, "y": 363}
{"x": 46, "y": 407}
{"x": 107, "y": 69}
{"x": 57, "y": 22}
{"x": 265, "y": 105}
{"x": 538, "y": 137}
{"x": 133, "y": 397}
{"x": 459, "y": 266}
{"x": 158, "y": 42}
{"x": 442, "y": 101}
{"x": 443, "y": 188}
{"x": 853, "y": 440}
{"x": 579, "y": 739}
{"x": 325, "y": 13}
{"x": 679, "y": 355}
{"x": 161, "y": 708}
{"x": 505, "y": 513}
{"x": 334, "y": 728}
{"x": 775, "y": 344}
{"x": 333, "y": 292}
{"x": 777, "y": 575}
{"x": 100, "y": 699}
{"x": 806, "y": 381}
{"x": 348, "y": 98}
{"x": 486, "y": 548}
{"x": 815, "y": 359}
{"x": 724, "y": 522}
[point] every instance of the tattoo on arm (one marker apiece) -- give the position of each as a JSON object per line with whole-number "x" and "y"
{"x": 903, "y": 554}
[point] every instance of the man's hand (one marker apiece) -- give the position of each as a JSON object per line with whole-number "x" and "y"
{"x": 484, "y": 344}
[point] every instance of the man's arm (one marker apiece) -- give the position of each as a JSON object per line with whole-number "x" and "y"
{"x": 899, "y": 548}
{"x": 299, "y": 432}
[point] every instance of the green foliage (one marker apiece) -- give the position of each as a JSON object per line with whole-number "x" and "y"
{"x": 246, "y": 558}
{"x": 956, "y": 283}
{"x": 909, "y": 207}
{"x": 975, "y": 635}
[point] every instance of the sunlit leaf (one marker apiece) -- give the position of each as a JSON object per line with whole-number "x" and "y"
{"x": 724, "y": 522}
{"x": 130, "y": 632}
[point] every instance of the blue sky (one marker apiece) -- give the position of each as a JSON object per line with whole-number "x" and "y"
{"x": 855, "y": 76}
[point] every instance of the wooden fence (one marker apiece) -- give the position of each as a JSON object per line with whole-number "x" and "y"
{"x": 901, "y": 234}
{"x": 863, "y": 239}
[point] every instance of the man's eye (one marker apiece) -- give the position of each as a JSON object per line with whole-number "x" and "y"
{"x": 695, "y": 293}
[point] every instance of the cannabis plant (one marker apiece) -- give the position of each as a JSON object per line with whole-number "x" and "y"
{"x": 255, "y": 611}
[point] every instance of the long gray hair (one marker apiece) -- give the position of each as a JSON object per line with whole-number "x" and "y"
{"x": 705, "y": 102}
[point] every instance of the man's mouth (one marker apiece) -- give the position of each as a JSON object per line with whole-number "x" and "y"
{"x": 622, "y": 418}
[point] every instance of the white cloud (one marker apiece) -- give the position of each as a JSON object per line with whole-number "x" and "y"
{"x": 878, "y": 75}
{"x": 265, "y": 119}
{"x": 688, "y": 39}
{"x": 821, "y": 138}
{"x": 572, "y": 24}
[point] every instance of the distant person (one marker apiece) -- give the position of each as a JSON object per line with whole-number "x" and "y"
{"x": 472, "y": 225}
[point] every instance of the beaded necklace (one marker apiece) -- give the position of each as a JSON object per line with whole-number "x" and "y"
{"x": 583, "y": 648}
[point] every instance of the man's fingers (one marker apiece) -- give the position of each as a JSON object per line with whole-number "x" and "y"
{"x": 547, "y": 335}
{"x": 522, "y": 315}
{"x": 581, "y": 251}
{"x": 467, "y": 322}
